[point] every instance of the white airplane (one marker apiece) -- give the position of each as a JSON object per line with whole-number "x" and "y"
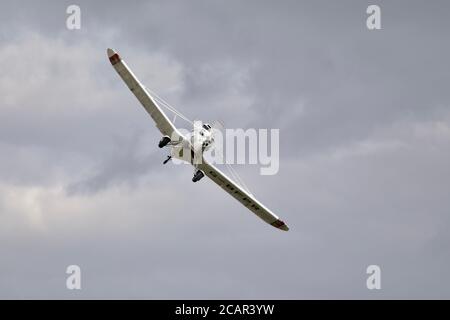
{"x": 202, "y": 137}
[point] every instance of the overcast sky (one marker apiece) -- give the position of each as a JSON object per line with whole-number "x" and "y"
{"x": 364, "y": 119}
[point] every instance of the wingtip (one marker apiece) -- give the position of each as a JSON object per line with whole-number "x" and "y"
{"x": 113, "y": 56}
{"x": 110, "y": 52}
{"x": 280, "y": 225}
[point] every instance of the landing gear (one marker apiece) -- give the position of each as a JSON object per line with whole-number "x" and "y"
{"x": 164, "y": 141}
{"x": 198, "y": 175}
{"x": 167, "y": 160}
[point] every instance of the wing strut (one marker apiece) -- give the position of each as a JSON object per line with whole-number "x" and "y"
{"x": 233, "y": 172}
{"x": 166, "y": 105}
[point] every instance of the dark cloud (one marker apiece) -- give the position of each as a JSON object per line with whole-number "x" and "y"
{"x": 364, "y": 121}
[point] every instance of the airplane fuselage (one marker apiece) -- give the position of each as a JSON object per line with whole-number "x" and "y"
{"x": 201, "y": 138}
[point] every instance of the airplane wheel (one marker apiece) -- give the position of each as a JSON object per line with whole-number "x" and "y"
{"x": 197, "y": 176}
{"x": 164, "y": 141}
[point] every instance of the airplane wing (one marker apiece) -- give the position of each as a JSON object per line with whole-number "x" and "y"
{"x": 162, "y": 121}
{"x": 241, "y": 195}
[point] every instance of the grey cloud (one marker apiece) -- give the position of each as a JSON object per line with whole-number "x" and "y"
{"x": 125, "y": 164}
{"x": 364, "y": 123}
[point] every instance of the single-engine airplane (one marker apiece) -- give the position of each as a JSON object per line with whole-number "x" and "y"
{"x": 201, "y": 137}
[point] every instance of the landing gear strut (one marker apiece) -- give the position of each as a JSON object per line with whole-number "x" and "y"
{"x": 198, "y": 175}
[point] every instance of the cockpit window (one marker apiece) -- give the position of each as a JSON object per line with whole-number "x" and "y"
{"x": 207, "y": 126}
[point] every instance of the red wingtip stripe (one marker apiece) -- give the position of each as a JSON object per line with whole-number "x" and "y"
{"x": 115, "y": 58}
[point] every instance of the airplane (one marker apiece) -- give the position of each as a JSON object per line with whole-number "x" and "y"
{"x": 200, "y": 139}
